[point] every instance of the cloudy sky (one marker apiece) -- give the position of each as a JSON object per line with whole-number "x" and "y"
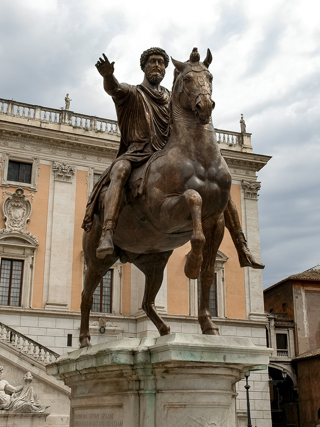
{"x": 266, "y": 62}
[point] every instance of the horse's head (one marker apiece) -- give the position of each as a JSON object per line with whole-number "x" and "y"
{"x": 193, "y": 85}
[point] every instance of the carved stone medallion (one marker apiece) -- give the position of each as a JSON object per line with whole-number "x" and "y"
{"x": 17, "y": 210}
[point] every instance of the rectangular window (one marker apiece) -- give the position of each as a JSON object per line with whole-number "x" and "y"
{"x": 96, "y": 177}
{"x": 102, "y": 296}
{"x": 282, "y": 344}
{"x": 11, "y": 282}
{"x": 212, "y": 297}
{"x": 19, "y": 172}
{"x": 69, "y": 340}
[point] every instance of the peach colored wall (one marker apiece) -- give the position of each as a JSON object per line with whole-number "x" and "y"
{"x": 77, "y": 265}
{"x": 126, "y": 289}
{"x": 2, "y": 223}
{"x": 177, "y": 282}
{"x": 234, "y": 274}
{"x": 38, "y": 227}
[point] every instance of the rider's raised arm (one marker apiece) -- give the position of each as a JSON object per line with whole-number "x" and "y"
{"x": 110, "y": 83}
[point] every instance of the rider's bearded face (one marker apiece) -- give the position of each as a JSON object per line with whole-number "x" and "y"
{"x": 155, "y": 69}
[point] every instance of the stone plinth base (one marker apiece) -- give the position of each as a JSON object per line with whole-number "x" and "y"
{"x": 11, "y": 419}
{"x": 178, "y": 380}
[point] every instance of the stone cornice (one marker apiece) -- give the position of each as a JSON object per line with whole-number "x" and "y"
{"x": 241, "y": 160}
{"x": 39, "y": 138}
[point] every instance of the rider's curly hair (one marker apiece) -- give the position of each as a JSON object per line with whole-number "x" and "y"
{"x": 153, "y": 51}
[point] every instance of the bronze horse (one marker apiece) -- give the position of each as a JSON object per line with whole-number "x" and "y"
{"x": 186, "y": 190}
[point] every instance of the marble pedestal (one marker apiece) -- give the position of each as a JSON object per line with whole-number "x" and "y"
{"x": 178, "y": 380}
{"x": 11, "y": 419}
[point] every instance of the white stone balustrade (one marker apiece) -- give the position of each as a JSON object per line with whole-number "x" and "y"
{"x": 55, "y": 116}
{"x": 26, "y": 345}
{"x": 92, "y": 123}
{"x": 228, "y": 138}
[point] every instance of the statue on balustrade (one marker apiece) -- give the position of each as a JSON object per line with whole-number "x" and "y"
{"x": 20, "y": 399}
{"x": 167, "y": 185}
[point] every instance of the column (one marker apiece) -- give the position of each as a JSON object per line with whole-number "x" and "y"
{"x": 250, "y": 223}
{"x": 60, "y": 256}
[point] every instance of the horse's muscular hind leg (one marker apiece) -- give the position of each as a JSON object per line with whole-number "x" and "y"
{"x": 194, "y": 257}
{"x": 214, "y": 235}
{"x": 153, "y": 265}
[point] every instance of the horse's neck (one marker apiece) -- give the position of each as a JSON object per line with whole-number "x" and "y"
{"x": 185, "y": 128}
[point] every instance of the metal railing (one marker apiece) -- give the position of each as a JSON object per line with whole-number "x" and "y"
{"x": 26, "y": 345}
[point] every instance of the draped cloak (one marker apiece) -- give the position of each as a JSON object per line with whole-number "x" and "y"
{"x": 143, "y": 119}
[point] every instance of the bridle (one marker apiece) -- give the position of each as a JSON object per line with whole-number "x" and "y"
{"x": 204, "y": 87}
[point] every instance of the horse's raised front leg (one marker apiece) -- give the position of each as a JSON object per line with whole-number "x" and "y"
{"x": 214, "y": 234}
{"x": 153, "y": 265}
{"x": 194, "y": 257}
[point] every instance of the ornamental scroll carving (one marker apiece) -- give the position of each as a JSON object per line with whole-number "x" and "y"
{"x": 251, "y": 189}
{"x": 63, "y": 172}
{"x": 17, "y": 210}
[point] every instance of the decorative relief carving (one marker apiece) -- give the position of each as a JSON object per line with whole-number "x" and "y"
{"x": 103, "y": 321}
{"x": 104, "y": 326}
{"x": 17, "y": 210}
{"x": 202, "y": 422}
{"x": 32, "y": 239}
{"x": 251, "y": 189}
{"x": 63, "y": 172}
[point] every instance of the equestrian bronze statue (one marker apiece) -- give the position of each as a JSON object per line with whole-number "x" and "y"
{"x": 169, "y": 184}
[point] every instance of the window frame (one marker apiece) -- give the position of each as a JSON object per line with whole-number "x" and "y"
{"x": 35, "y": 170}
{"x": 221, "y": 259}
{"x": 111, "y": 270}
{"x": 214, "y": 283}
{"x": 12, "y": 260}
{"x": 19, "y": 171}
{"x": 90, "y": 177}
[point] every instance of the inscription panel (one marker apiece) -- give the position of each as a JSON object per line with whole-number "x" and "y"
{"x": 98, "y": 417}
{"x": 196, "y": 415}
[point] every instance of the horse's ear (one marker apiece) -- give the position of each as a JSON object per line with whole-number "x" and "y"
{"x": 180, "y": 66}
{"x": 208, "y": 59}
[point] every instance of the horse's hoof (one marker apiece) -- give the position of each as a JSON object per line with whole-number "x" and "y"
{"x": 85, "y": 342}
{"x": 211, "y": 331}
{"x": 164, "y": 330}
{"x": 193, "y": 265}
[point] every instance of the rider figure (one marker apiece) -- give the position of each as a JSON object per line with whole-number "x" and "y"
{"x": 143, "y": 118}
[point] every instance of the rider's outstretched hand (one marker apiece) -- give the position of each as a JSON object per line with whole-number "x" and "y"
{"x": 104, "y": 67}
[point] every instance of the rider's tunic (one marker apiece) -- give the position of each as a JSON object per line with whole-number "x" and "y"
{"x": 143, "y": 119}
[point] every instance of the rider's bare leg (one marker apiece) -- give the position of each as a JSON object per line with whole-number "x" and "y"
{"x": 112, "y": 202}
{"x": 232, "y": 221}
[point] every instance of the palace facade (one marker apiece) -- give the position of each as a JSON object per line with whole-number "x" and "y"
{"x": 50, "y": 160}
